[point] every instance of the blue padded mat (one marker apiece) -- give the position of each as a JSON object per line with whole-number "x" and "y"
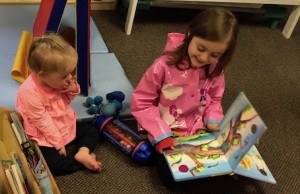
{"x": 107, "y": 73}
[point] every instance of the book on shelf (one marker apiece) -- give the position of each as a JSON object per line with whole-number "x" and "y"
{"x": 20, "y": 185}
{"x": 14, "y": 164}
{"x": 11, "y": 181}
{"x": 31, "y": 154}
{"x": 18, "y": 128}
{"x": 20, "y": 169}
{"x": 27, "y": 145}
{"x": 230, "y": 150}
{"x": 11, "y": 172}
{"x": 39, "y": 171}
{"x": 16, "y": 132}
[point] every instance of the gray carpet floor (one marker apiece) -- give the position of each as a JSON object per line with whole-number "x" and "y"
{"x": 266, "y": 67}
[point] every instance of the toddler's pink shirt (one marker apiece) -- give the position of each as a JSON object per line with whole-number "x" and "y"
{"x": 48, "y": 117}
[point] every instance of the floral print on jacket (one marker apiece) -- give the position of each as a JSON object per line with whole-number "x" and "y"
{"x": 168, "y": 101}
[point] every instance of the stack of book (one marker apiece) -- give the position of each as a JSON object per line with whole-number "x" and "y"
{"x": 13, "y": 167}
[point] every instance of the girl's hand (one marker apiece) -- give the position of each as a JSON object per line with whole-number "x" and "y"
{"x": 213, "y": 127}
{"x": 62, "y": 151}
{"x": 161, "y": 151}
{"x": 164, "y": 144}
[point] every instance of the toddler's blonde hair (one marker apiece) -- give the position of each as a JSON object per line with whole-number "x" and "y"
{"x": 51, "y": 53}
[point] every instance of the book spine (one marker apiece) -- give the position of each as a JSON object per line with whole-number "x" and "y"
{"x": 11, "y": 181}
{"x": 18, "y": 125}
{"x": 16, "y": 132}
{"x": 18, "y": 179}
{"x": 30, "y": 153}
{"x": 20, "y": 170}
{"x": 16, "y": 160}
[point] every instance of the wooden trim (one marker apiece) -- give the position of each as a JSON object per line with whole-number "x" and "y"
{"x": 277, "y": 2}
{"x": 104, "y": 5}
{"x": 95, "y": 4}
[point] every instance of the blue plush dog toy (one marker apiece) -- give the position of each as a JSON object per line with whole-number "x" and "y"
{"x": 112, "y": 108}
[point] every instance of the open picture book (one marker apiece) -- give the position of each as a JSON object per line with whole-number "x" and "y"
{"x": 230, "y": 150}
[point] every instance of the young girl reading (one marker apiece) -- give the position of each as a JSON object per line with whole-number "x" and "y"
{"x": 181, "y": 93}
{"x": 44, "y": 100}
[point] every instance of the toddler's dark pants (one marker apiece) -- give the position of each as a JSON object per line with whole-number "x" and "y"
{"x": 86, "y": 136}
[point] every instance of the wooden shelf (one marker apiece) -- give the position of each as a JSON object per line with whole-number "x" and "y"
{"x": 8, "y": 144}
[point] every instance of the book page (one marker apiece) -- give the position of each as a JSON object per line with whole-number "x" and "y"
{"x": 198, "y": 157}
{"x": 243, "y": 128}
{"x": 192, "y": 160}
{"x": 253, "y": 166}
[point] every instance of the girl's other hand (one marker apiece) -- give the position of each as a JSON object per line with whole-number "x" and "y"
{"x": 213, "y": 127}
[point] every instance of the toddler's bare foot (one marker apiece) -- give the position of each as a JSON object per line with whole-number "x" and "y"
{"x": 94, "y": 157}
{"x": 88, "y": 160}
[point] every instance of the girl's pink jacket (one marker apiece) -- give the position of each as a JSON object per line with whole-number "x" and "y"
{"x": 48, "y": 116}
{"x": 168, "y": 100}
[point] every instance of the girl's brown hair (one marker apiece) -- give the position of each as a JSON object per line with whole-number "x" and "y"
{"x": 213, "y": 24}
{"x": 50, "y": 53}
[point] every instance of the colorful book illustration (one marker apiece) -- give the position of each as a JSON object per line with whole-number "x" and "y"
{"x": 231, "y": 150}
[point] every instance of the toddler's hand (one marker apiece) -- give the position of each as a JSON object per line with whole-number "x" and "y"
{"x": 62, "y": 151}
{"x": 70, "y": 86}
